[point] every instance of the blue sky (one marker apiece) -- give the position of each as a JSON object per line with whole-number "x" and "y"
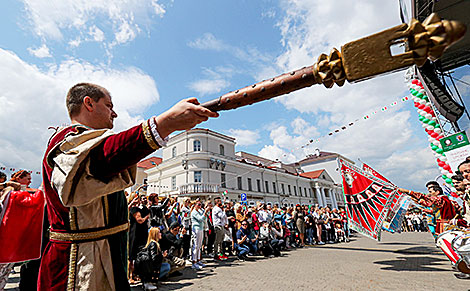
{"x": 151, "y": 53}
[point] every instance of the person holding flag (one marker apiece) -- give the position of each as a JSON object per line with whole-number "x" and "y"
{"x": 443, "y": 210}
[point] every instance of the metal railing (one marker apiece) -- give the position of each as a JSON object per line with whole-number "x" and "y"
{"x": 198, "y": 188}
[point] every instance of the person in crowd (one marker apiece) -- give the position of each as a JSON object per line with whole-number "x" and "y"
{"x": 160, "y": 269}
{"x": 269, "y": 241}
{"x": 185, "y": 213}
{"x": 172, "y": 212}
{"x": 290, "y": 225}
{"x": 240, "y": 215}
{"x": 309, "y": 228}
{"x": 246, "y": 243}
{"x": 209, "y": 231}
{"x": 138, "y": 231}
{"x": 172, "y": 242}
{"x": 299, "y": 220}
{"x": 157, "y": 211}
{"x": 198, "y": 218}
{"x": 317, "y": 216}
{"x": 219, "y": 219}
{"x": 231, "y": 218}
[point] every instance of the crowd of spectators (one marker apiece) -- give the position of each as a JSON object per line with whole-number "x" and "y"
{"x": 415, "y": 220}
{"x": 167, "y": 236}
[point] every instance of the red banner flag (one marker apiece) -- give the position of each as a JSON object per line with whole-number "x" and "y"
{"x": 367, "y": 199}
{"x": 368, "y": 169}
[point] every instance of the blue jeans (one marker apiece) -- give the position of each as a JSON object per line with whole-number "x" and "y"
{"x": 247, "y": 247}
{"x": 164, "y": 270}
{"x": 309, "y": 235}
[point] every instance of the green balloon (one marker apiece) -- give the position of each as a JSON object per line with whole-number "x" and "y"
{"x": 432, "y": 122}
{"x": 444, "y": 177}
{"x": 448, "y": 180}
{"x": 434, "y": 147}
{"x": 426, "y": 98}
{"x": 439, "y": 151}
{"x": 421, "y": 118}
{"x": 425, "y": 120}
{"x": 420, "y": 95}
{"x": 414, "y": 92}
{"x": 437, "y": 125}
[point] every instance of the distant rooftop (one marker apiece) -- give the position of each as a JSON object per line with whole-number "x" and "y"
{"x": 312, "y": 174}
{"x": 149, "y": 163}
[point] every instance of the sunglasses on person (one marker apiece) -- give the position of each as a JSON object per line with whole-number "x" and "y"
{"x": 245, "y": 223}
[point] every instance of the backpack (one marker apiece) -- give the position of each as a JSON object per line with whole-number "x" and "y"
{"x": 143, "y": 265}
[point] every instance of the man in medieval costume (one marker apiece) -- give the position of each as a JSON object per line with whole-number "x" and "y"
{"x": 86, "y": 167}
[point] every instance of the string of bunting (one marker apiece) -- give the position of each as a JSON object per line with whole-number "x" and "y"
{"x": 12, "y": 170}
{"x": 346, "y": 126}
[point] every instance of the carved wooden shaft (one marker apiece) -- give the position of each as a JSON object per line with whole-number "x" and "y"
{"x": 264, "y": 90}
{"x": 359, "y": 60}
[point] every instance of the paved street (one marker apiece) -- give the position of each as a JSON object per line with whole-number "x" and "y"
{"x": 408, "y": 261}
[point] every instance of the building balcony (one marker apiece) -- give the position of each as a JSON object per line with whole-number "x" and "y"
{"x": 194, "y": 188}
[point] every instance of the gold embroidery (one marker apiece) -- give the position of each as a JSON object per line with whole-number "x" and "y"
{"x": 148, "y": 135}
{"x": 78, "y": 237}
{"x": 106, "y": 210}
{"x": 73, "y": 251}
{"x": 72, "y": 267}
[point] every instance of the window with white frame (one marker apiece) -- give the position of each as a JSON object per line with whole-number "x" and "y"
{"x": 222, "y": 180}
{"x": 221, "y": 150}
{"x": 173, "y": 183}
{"x": 197, "y": 145}
{"x": 173, "y": 152}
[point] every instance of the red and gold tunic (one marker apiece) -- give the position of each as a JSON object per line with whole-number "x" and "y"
{"x": 85, "y": 172}
{"x": 442, "y": 208}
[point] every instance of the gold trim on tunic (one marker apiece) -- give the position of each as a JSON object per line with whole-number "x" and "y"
{"x": 148, "y": 135}
{"x": 77, "y": 237}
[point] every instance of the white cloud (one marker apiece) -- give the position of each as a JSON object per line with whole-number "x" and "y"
{"x": 208, "y": 42}
{"x": 26, "y": 112}
{"x": 70, "y": 19}
{"x": 40, "y": 52}
{"x": 245, "y": 137}
{"x": 96, "y": 33}
{"x": 208, "y": 86}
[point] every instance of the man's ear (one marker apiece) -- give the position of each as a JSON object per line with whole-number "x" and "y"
{"x": 88, "y": 103}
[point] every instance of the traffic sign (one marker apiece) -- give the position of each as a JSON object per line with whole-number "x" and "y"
{"x": 243, "y": 197}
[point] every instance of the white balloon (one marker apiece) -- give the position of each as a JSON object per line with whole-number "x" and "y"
{"x": 444, "y": 158}
{"x": 437, "y": 130}
{"x": 428, "y": 116}
{"x": 422, "y": 101}
{"x": 430, "y": 127}
{"x": 435, "y": 142}
{"x": 424, "y": 125}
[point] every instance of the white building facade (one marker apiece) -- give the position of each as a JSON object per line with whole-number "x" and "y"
{"x": 201, "y": 163}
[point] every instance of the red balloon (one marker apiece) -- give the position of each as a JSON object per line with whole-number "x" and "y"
{"x": 433, "y": 134}
{"x": 416, "y": 104}
{"x": 446, "y": 167}
{"x": 414, "y": 81}
{"x": 439, "y": 137}
{"x": 427, "y": 109}
{"x": 421, "y": 106}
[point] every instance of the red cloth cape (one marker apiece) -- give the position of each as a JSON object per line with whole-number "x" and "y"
{"x": 21, "y": 227}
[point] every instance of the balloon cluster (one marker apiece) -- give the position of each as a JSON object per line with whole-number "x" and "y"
{"x": 431, "y": 126}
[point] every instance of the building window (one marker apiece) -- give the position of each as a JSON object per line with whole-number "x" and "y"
{"x": 266, "y": 184}
{"x": 173, "y": 152}
{"x": 283, "y": 190}
{"x": 289, "y": 189}
{"x": 239, "y": 180}
{"x": 295, "y": 191}
{"x": 197, "y": 145}
{"x": 249, "y": 185}
{"x": 173, "y": 183}
{"x": 305, "y": 191}
{"x": 197, "y": 177}
{"x": 221, "y": 150}
{"x": 258, "y": 184}
{"x": 300, "y": 191}
{"x": 274, "y": 187}
{"x": 310, "y": 192}
{"x": 222, "y": 180}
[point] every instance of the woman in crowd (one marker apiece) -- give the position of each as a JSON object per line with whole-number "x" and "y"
{"x": 160, "y": 269}
{"x": 317, "y": 216}
{"x": 198, "y": 218}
